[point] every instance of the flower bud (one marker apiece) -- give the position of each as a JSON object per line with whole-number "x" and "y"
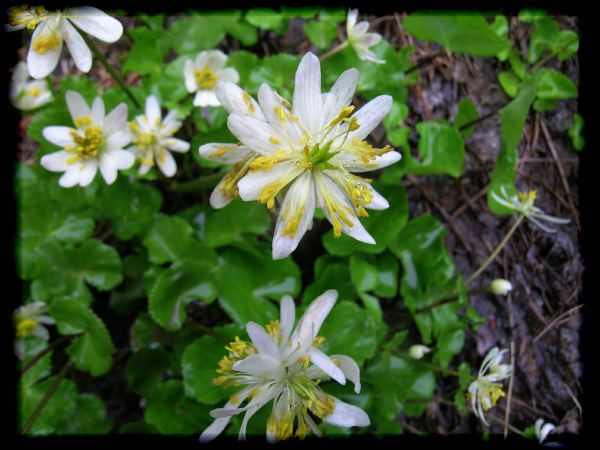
{"x": 417, "y": 351}
{"x": 500, "y": 286}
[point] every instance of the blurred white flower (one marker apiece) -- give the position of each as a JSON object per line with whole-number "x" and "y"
{"x": 153, "y": 138}
{"x": 500, "y": 286}
{"x": 418, "y": 351}
{"x": 542, "y": 430}
{"x": 522, "y": 203}
{"x": 485, "y": 391}
{"x": 26, "y": 93}
{"x": 284, "y": 365}
{"x": 309, "y": 151}
{"x": 29, "y": 321}
{"x": 97, "y": 141}
{"x": 203, "y": 74}
{"x": 360, "y": 40}
{"x": 51, "y": 29}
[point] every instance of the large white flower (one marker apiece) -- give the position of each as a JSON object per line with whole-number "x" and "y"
{"x": 485, "y": 391}
{"x": 26, "y": 93}
{"x": 309, "y": 150}
{"x": 29, "y": 321}
{"x": 51, "y": 29}
{"x": 97, "y": 141}
{"x": 203, "y": 74}
{"x": 284, "y": 365}
{"x": 360, "y": 40}
{"x": 153, "y": 138}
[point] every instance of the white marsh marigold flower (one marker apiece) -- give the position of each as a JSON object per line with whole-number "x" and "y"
{"x": 203, "y": 74}
{"x": 485, "y": 391}
{"x": 153, "y": 138}
{"x": 97, "y": 141}
{"x": 26, "y": 93}
{"x": 30, "y": 320}
{"x": 51, "y": 29}
{"x": 284, "y": 365}
{"x": 308, "y": 151}
{"x": 360, "y": 40}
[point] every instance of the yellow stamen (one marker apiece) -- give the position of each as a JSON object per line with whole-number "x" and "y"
{"x": 248, "y": 101}
{"x": 86, "y": 146}
{"x": 205, "y": 78}
{"x": 318, "y": 341}
{"x": 265, "y": 163}
{"x": 273, "y": 328}
{"x": 34, "y": 91}
{"x": 26, "y": 327}
{"x": 43, "y": 43}
{"x": 274, "y": 140}
{"x": 82, "y": 121}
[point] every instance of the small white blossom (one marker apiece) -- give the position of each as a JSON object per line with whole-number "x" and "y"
{"x": 51, "y": 29}
{"x": 360, "y": 40}
{"x": 523, "y": 204}
{"x": 203, "y": 74}
{"x": 306, "y": 152}
{"x": 29, "y": 321}
{"x": 485, "y": 391}
{"x": 153, "y": 138}
{"x": 418, "y": 351}
{"x": 284, "y": 365}
{"x": 96, "y": 142}
{"x": 26, "y": 93}
{"x": 542, "y": 430}
{"x": 500, "y": 286}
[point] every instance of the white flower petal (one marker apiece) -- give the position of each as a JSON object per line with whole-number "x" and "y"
{"x": 314, "y": 316}
{"x": 206, "y": 98}
{"x": 324, "y": 362}
{"x": 351, "y": 19}
{"x": 269, "y": 100}
{"x": 219, "y": 200}
{"x": 254, "y": 133}
{"x": 82, "y": 55}
{"x": 350, "y": 369}
{"x": 96, "y": 22}
{"x": 371, "y": 115}
{"x": 253, "y": 183}
{"x": 190, "y": 76}
{"x": 153, "y": 114}
{"x": 88, "y": 172}
{"x": 346, "y": 415}
{"x": 378, "y": 202}
{"x": 215, "y": 60}
{"x": 353, "y": 163}
{"x": 217, "y": 427}
{"x": 224, "y": 153}
{"x": 77, "y": 105}
{"x": 166, "y": 163}
{"x": 263, "y": 342}
{"x": 71, "y": 176}
{"x": 41, "y": 333}
{"x": 259, "y": 365}
{"x": 56, "y": 162}
{"x": 107, "y": 169}
{"x": 58, "y": 135}
{"x": 200, "y": 60}
{"x": 97, "y": 111}
{"x": 235, "y": 99}
{"x": 287, "y": 316}
{"x": 307, "y": 92}
{"x": 41, "y": 65}
{"x": 340, "y": 95}
{"x": 122, "y": 159}
{"x": 116, "y": 120}
{"x": 118, "y": 140}
{"x": 228, "y": 74}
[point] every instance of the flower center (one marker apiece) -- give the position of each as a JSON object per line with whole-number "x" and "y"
{"x": 490, "y": 394}
{"x": 43, "y": 43}
{"x": 23, "y": 15}
{"x": 205, "y": 78}
{"x": 34, "y": 91}
{"x": 86, "y": 146}
{"x": 25, "y": 327}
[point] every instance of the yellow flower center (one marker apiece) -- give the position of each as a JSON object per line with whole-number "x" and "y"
{"x": 25, "y": 327}
{"x": 205, "y": 78}
{"x": 43, "y": 43}
{"x": 34, "y": 91}
{"x": 20, "y": 15}
{"x": 86, "y": 146}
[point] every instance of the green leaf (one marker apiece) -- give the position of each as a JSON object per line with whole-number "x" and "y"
{"x": 173, "y": 413}
{"x": 532, "y": 15}
{"x": 184, "y": 281}
{"x": 148, "y": 368}
{"x": 244, "y": 62}
{"x": 92, "y": 350}
{"x": 500, "y": 27}
{"x": 363, "y": 275}
{"x": 382, "y": 225}
{"x": 330, "y": 273}
{"x": 459, "y": 32}
{"x": 89, "y": 417}
{"x": 277, "y": 71}
{"x": 148, "y": 50}
{"x": 567, "y": 44}
{"x": 553, "y": 85}
{"x": 576, "y": 132}
{"x": 349, "y": 331}
{"x": 509, "y": 82}
{"x": 544, "y": 35}
{"x": 245, "y": 33}
{"x": 265, "y": 19}
{"x": 229, "y": 224}
{"x": 544, "y": 105}
{"x": 192, "y": 34}
{"x": 465, "y": 113}
{"x": 168, "y": 239}
{"x": 320, "y": 33}
{"x": 516, "y": 64}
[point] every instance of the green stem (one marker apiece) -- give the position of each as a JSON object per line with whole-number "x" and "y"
{"x": 429, "y": 365}
{"x": 110, "y": 69}
{"x": 543, "y": 61}
{"x": 497, "y": 250}
{"x": 207, "y": 330}
{"x": 40, "y": 407}
{"x": 510, "y": 427}
{"x": 333, "y": 51}
{"x": 448, "y": 299}
{"x": 40, "y": 355}
{"x": 199, "y": 184}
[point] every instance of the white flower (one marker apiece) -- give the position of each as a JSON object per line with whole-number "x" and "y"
{"x": 500, "y": 286}
{"x": 52, "y": 28}
{"x": 485, "y": 391}
{"x": 97, "y": 141}
{"x": 286, "y": 367}
{"x": 203, "y": 74}
{"x": 29, "y": 321}
{"x": 523, "y": 204}
{"x": 418, "y": 351}
{"x": 153, "y": 138}
{"x": 543, "y": 430}
{"x": 360, "y": 39}
{"x": 25, "y": 93}
{"x": 308, "y": 153}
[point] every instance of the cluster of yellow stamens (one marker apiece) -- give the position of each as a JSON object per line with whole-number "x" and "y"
{"x": 26, "y": 327}
{"x": 206, "y": 78}
{"x": 19, "y": 15}
{"x": 238, "y": 350}
{"x": 34, "y": 91}
{"x": 86, "y": 146}
{"x": 228, "y": 185}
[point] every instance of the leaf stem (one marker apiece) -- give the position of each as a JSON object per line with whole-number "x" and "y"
{"x": 333, "y": 51}
{"x": 448, "y": 299}
{"x": 48, "y": 349}
{"x": 110, "y": 69}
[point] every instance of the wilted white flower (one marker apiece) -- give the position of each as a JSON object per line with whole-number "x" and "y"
{"x": 153, "y": 138}
{"x": 418, "y": 351}
{"x": 29, "y": 321}
{"x": 523, "y": 204}
{"x": 360, "y": 40}
{"x": 309, "y": 150}
{"x": 542, "y": 430}
{"x": 26, "y": 93}
{"x": 286, "y": 367}
{"x": 500, "y": 286}
{"x": 203, "y": 74}
{"x": 52, "y": 28}
{"x": 97, "y": 141}
{"x": 485, "y": 391}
